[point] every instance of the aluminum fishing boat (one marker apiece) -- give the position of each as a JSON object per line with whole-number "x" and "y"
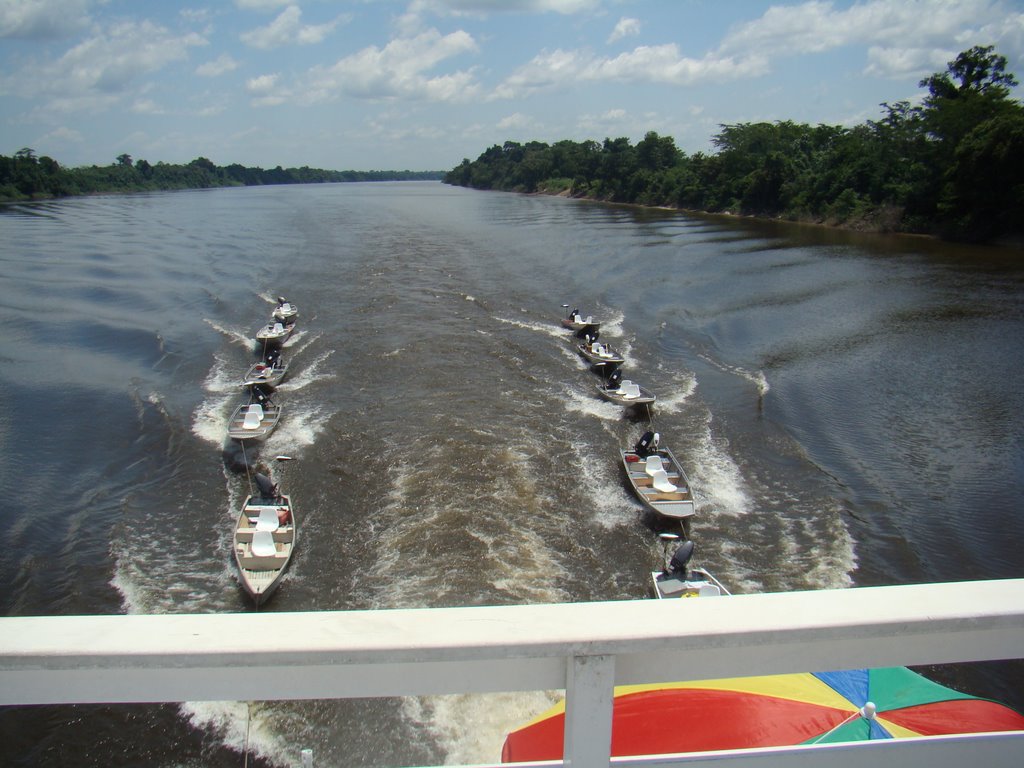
{"x": 623, "y": 391}
{"x": 285, "y": 312}
{"x": 264, "y": 539}
{"x": 256, "y": 419}
{"x": 658, "y": 478}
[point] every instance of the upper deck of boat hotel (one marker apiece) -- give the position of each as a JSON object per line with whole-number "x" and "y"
{"x": 585, "y": 648}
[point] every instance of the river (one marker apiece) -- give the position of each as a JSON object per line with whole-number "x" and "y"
{"x": 849, "y": 407}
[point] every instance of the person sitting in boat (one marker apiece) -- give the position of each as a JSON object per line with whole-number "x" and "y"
{"x": 284, "y": 515}
{"x": 272, "y": 356}
{"x": 647, "y": 445}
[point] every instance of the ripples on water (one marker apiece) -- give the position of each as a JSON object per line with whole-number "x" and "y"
{"x": 848, "y": 409}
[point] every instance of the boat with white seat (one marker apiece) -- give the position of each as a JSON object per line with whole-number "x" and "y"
{"x": 269, "y": 372}
{"x": 678, "y": 580}
{"x": 658, "y": 478}
{"x": 256, "y": 419}
{"x": 285, "y": 312}
{"x": 574, "y": 321}
{"x": 264, "y": 540}
{"x": 597, "y": 353}
{"x": 275, "y": 333}
{"x": 623, "y": 391}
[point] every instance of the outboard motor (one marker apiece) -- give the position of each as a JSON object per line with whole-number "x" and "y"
{"x": 260, "y": 394}
{"x": 267, "y": 487}
{"x": 647, "y": 445}
{"x": 588, "y": 331}
{"x": 680, "y": 559}
{"x": 272, "y": 356}
{"x": 614, "y": 379}
{"x": 281, "y": 301}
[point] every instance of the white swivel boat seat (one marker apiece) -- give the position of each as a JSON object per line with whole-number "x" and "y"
{"x": 661, "y": 482}
{"x": 653, "y": 464}
{"x": 629, "y": 390}
{"x": 253, "y": 416}
{"x": 267, "y": 520}
{"x": 263, "y": 544}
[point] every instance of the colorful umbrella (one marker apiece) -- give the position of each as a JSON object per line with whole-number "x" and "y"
{"x": 773, "y": 710}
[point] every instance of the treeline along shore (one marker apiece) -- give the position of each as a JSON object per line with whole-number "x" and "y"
{"x": 28, "y": 177}
{"x": 952, "y": 166}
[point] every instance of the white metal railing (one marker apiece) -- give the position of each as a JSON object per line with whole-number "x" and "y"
{"x": 585, "y": 648}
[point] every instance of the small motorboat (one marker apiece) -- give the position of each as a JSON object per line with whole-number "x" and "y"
{"x": 256, "y": 419}
{"x": 623, "y": 391}
{"x": 658, "y": 479}
{"x": 275, "y": 333}
{"x": 285, "y": 312}
{"x": 264, "y": 539}
{"x": 575, "y": 322}
{"x": 597, "y": 353}
{"x": 268, "y": 373}
{"x": 677, "y": 580}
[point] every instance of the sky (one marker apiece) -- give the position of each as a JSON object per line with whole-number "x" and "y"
{"x": 422, "y": 84}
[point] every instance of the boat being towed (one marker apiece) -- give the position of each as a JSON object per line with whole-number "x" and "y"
{"x": 623, "y": 391}
{"x": 574, "y": 321}
{"x": 658, "y": 478}
{"x": 275, "y": 333}
{"x": 256, "y": 419}
{"x": 285, "y": 312}
{"x": 677, "y": 580}
{"x": 264, "y": 539}
{"x": 598, "y": 354}
{"x": 269, "y": 372}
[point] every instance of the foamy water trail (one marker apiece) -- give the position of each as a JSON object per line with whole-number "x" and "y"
{"x": 681, "y": 387}
{"x": 471, "y": 729}
{"x": 547, "y": 329}
{"x": 757, "y": 378}
{"x": 244, "y": 339}
{"x": 310, "y": 374}
{"x": 718, "y": 485}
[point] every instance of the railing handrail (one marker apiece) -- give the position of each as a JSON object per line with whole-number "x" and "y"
{"x": 582, "y": 647}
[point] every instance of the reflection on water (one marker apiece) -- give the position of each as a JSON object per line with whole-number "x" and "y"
{"x": 848, "y": 408}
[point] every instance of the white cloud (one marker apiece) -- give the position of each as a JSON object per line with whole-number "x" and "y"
{"x": 485, "y": 7}
{"x": 261, "y": 5}
{"x": 645, "y": 64}
{"x": 147, "y": 107}
{"x": 98, "y": 72}
{"x": 62, "y": 135}
{"x": 42, "y": 19}
{"x": 516, "y": 120}
{"x": 262, "y": 84}
{"x": 905, "y": 36}
{"x": 625, "y": 28}
{"x": 411, "y": 21}
{"x": 398, "y": 70}
{"x": 219, "y": 66}
{"x": 265, "y": 91}
{"x": 288, "y": 29}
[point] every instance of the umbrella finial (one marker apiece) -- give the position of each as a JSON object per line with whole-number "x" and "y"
{"x": 868, "y": 710}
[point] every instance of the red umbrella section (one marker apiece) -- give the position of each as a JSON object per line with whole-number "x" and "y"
{"x": 772, "y": 710}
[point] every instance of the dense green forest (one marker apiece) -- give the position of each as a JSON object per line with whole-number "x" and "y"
{"x": 952, "y": 166}
{"x": 26, "y": 176}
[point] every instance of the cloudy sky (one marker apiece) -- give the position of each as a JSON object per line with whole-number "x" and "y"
{"x": 421, "y": 84}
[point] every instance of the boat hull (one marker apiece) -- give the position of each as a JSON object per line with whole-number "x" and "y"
{"x": 646, "y": 397}
{"x": 265, "y": 375}
{"x": 609, "y": 358}
{"x": 238, "y": 431}
{"x": 698, "y": 583}
{"x": 268, "y": 336}
{"x": 674, "y": 505}
{"x": 261, "y": 573}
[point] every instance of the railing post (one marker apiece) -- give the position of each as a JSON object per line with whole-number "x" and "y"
{"x": 589, "y": 691}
